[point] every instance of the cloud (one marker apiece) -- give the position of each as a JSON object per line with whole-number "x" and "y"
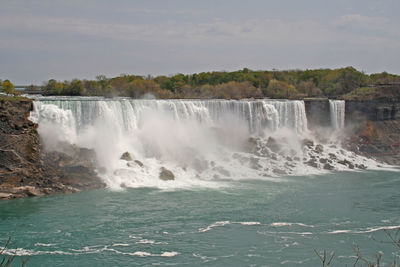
{"x": 365, "y": 22}
{"x": 215, "y": 31}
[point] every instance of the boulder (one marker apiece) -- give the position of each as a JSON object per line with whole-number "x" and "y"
{"x": 308, "y": 143}
{"x": 28, "y": 190}
{"x": 279, "y": 171}
{"x": 351, "y": 165}
{"x": 361, "y": 166}
{"x": 222, "y": 171}
{"x": 332, "y": 156}
{"x": 312, "y": 163}
{"x": 5, "y": 195}
{"x": 254, "y": 163}
{"x": 273, "y": 145}
{"x": 252, "y": 143}
{"x": 319, "y": 148}
{"x": 323, "y": 160}
{"x": 138, "y": 162}
{"x": 328, "y": 166}
{"x": 126, "y": 156}
{"x": 166, "y": 175}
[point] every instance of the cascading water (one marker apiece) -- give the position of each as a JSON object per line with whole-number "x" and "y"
{"x": 199, "y": 140}
{"x": 337, "y": 113}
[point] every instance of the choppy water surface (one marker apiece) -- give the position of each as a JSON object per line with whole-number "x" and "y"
{"x": 238, "y": 223}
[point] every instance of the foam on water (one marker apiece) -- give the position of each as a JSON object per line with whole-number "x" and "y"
{"x": 200, "y": 141}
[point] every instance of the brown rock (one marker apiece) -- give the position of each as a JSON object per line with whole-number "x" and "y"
{"x": 126, "y": 156}
{"x": 139, "y": 163}
{"x": 166, "y": 175}
{"x": 273, "y": 145}
{"x": 308, "y": 143}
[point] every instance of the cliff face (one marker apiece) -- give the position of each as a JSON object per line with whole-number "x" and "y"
{"x": 317, "y": 111}
{"x": 26, "y": 169}
{"x": 373, "y": 110}
{"x": 19, "y": 145}
{"x": 374, "y": 126}
{"x": 318, "y": 114}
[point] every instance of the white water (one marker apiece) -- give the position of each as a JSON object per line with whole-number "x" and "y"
{"x": 200, "y": 141}
{"x": 337, "y": 112}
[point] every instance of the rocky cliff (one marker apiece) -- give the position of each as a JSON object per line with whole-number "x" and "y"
{"x": 373, "y": 110}
{"x": 373, "y": 126}
{"x": 26, "y": 169}
{"x": 317, "y": 110}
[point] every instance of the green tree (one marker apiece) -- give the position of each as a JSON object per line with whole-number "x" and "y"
{"x": 76, "y": 87}
{"x": 49, "y": 88}
{"x": 8, "y": 87}
{"x": 280, "y": 89}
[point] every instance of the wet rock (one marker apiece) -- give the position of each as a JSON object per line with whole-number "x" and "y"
{"x": 361, "y": 166}
{"x": 287, "y": 164}
{"x": 344, "y": 162}
{"x": 252, "y": 144}
{"x": 28, "y": 190}
{"x": 308, "y": 143}
{"x": 254, "y": 163}
{"x": 328, "y": 166}
{"x": 126, "y": 156}
{"x": 323, "y": 160}
{"x": 5, "y": 195}
{"x": 222, "y": 171}
{"x": 312, "y": 163}
{"x": 166, "y": 175}
{"x": 240, "y": 158}
{"x": 264, "y": 152}
{"x": 347, "y": 163}
{"x": 319, "y": 148}
{"x": 332, "y": 156}
{"x": 273, "y": 145}
{"x": 279, "y": 171}
{"x": 138, "y": 162}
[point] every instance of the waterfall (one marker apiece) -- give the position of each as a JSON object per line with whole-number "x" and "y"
{"x": 198, "y": 140}
{"x": 337, "y": 113}
{"x": 258, "y": 115}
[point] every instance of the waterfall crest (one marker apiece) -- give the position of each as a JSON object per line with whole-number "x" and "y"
{"x": 258, "y": 115}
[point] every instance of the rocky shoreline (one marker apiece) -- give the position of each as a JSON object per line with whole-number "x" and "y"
{"x": 26, "y": 169}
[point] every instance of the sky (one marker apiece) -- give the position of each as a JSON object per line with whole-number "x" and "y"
{"x": 45, "y": 39}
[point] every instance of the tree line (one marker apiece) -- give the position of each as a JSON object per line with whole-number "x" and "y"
{"x": 239, "y": 84}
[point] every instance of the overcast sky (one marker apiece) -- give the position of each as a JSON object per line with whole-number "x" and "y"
{"x": 69, "y": 39}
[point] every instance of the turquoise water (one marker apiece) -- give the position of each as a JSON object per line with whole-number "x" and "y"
{"x": 243, "y": 223}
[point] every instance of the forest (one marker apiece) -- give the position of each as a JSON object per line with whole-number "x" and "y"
{"x": 346, "y": 83}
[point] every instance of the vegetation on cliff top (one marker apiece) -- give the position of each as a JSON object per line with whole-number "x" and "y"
{"x": 346, "y": 82}
{"x": 8, "y": 88}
